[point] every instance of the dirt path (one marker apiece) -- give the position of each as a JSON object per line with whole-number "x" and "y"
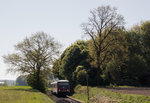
{"x": 132, "y": 90}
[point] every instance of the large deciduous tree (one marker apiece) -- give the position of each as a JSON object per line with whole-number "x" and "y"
{"x": 34, "y": 57}
{"x": 101, "y": 27}
{"x": 70, "y": 59}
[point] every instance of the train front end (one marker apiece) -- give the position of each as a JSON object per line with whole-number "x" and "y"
{"x": 63, "y": 87}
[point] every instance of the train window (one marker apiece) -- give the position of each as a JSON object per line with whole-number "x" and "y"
{"x": 63, "y": 85}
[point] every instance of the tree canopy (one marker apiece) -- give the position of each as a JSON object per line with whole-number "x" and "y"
{"x": 112, "y": 55}
{"x": 102, "y": 27}
{"x": 34, "y": 57}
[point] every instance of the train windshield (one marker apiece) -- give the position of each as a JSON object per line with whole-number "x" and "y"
{"x": 63, "y": 85}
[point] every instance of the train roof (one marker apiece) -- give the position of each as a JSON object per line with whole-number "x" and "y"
{"x": 59, "y": 81}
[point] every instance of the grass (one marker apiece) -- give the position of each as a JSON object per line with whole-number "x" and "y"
{"x": 114, "y": 86}
{"x": 22, "y": 94}
{"x": 98, "y": 95}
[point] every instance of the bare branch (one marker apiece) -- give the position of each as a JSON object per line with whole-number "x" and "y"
{"x": 34, "y": 53}
{"x": 100, "y": 28}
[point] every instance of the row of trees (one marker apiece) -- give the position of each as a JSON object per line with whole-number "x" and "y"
{"x": 111, "y": 55}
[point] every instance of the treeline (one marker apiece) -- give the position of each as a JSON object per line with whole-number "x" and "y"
{"x": 21, "y": 80}
{"x": 112, "y": 55}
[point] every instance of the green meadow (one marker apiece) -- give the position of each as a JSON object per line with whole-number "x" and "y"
{"x": 99, "y": 95}
{"x": 22, "y": 94}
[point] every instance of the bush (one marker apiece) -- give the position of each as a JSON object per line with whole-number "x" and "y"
{"x": 40, "y": 84}
{"x": 81, "y": 77}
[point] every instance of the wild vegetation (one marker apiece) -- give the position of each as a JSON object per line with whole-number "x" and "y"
{"x": 22, "y": 94}
{"x": 111, "y": 56}
{"x": 101, "y": 95}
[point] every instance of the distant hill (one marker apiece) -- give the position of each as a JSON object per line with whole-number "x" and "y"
{"x": 9, "y": 82}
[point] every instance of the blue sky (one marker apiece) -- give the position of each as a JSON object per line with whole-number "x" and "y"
{"x": 59, "y": 18}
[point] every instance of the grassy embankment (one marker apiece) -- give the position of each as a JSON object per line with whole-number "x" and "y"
{"x": 98, "y": 95}
{"x": 22, "y": 94}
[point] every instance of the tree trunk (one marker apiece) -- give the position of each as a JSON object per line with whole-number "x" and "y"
{"x": 38, "y": 77}
{"x": 98, "y": 70}
{"x": 98, "y": 76}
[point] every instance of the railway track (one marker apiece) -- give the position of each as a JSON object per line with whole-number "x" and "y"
{"x": 58, "y": 99}
{"x": 70, "y": 100}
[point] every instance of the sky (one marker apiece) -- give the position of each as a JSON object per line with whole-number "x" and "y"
{"x": 59, "y": 18}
